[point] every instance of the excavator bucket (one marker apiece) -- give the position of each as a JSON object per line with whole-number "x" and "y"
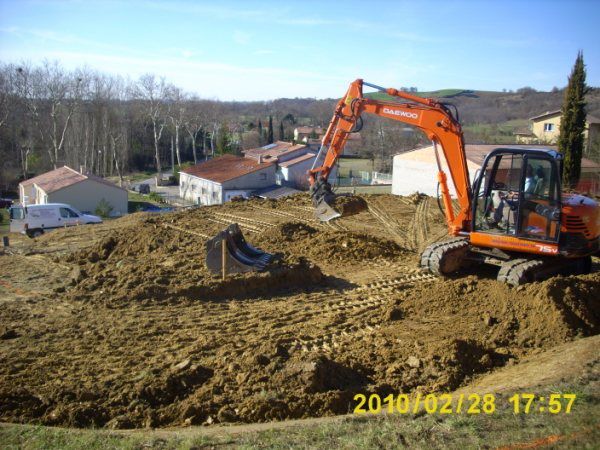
{"x": 329, "y": 208}
{"x": 240, "y": 256}
{"x": 324, "y": 212}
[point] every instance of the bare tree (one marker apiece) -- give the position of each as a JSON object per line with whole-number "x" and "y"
{"x": 61, "y": 93}
{"x": 177, "y": 116}
{"x": 154, "y": 92}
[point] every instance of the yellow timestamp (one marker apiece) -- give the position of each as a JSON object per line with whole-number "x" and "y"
{"x": 460, "y": 403}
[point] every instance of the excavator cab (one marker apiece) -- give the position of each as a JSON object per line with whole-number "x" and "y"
{"x": 518, "y": 194}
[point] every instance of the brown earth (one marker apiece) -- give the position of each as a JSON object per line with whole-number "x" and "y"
{"x": 121, "y": 325}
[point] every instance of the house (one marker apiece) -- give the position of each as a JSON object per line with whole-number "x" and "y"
{"x": 545, "y": 129}
{"x": 416, "y": 170}
{"x": 353, "y": 147}
{"x": 292, "y": 173}
{"x": 218, "y": 180}
{"x": 278, "y": 151}
{"x": 303, "y": 134}
{"x": 80, "y": 190}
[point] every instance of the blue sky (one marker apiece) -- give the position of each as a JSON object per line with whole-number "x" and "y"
{"x": 263, "y": 50}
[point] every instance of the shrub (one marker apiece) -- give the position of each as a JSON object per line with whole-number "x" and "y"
{"x": 103, "y": 208}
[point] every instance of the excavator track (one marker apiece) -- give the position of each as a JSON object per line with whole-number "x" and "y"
{"x": 444, "y": 258}
{"x": 520, "y": 271}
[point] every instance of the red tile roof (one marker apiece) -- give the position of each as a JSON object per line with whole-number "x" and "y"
{"x": 225, "y": 168}
{"x": 55, "y": 179}
{"x": 273, "y": 151}
{"x": 62, "y": 177}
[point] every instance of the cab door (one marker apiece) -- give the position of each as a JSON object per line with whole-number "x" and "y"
{"x": 539, "y": 212}
{"x": 496, "y": 208}
{"x": 518, "y": 195}
{"x": 68, "y": 217}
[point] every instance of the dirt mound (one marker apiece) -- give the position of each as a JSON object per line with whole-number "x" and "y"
{"x": 348, "y": 205}
{"x": 296, "y": 238}
{"x": 147, "y": 263}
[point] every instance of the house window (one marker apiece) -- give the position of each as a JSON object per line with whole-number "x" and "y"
{"x": 263, "y": 176}
{"x": 548, "y": 127}
{"x": 203, "y": 191}
{"x": 183, "y": 185}
{"x": 193, "y": 187}
{"x": 215, "y": 195}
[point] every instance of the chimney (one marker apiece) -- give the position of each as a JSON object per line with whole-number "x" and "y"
{"x": 82, "y": 169}
{"x": 260, "y": 159}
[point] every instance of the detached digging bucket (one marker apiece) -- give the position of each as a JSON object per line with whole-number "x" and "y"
{"x": 239, "y": 257}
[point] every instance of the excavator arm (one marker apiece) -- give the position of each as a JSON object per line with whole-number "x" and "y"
{"x": 429, "y": 115}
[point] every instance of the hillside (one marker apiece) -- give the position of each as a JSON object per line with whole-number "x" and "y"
{"x": 498, "y": 107}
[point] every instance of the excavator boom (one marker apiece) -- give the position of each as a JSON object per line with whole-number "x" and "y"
{"x": 429, "y": 115}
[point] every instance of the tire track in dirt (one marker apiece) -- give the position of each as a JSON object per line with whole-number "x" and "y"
{"x": 392, "y": 226}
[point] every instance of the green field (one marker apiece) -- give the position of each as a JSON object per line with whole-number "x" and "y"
{"x": 442, "y": 93}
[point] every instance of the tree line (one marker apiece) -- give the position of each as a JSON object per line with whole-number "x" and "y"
{"x": 110, "y": 125}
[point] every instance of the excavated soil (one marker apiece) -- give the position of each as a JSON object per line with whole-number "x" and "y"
{"x": 122, "y": 326}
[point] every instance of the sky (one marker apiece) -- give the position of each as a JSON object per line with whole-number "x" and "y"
{"x": 249, "y": 50}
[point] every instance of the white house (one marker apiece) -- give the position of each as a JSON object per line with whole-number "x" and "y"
{"x": 292, "y": 172}
{"x": 83, "y": 191}
{"x": 216, "y": 181}
{"x": 416, "y": 170}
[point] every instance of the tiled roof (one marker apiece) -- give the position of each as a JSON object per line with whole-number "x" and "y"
{"x": 297, "y": 160}
{"x": 591, "y": 119}
{"x": 273, "y": 151}
{"x": 546, "y": 114}
{"x": 61, "y": 178}
{"x": 225, "y": 168}
{"x": 308, "y": 130}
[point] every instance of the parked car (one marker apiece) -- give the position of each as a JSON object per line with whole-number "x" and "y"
{"x": 5, "y": 202}
{"x": 34, "y": 220}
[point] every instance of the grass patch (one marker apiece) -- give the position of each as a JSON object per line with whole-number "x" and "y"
{"x": 576, "y": 430}
{"x": 442, "y": 93}
{"x": 138, "y": 202}
{"x": 4, "y": 221}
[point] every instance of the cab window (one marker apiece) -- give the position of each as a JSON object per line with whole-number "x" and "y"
{"x": 17, "y": 213}
{"x": 67, "y": 213}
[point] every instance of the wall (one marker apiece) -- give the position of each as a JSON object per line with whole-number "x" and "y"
{"x": 207, "y": 192}
{"x": 417, "y": 171}
{"x": 199, "y": 190}
{"x": 254, "y": 180}
{"x": 86, "y": 195}
{"x": 548, "y": 137}
{"x": 295, "y": 175}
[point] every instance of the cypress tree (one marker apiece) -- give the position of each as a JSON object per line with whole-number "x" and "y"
{"x": 572, "y": 124}
{"x": 270, "y": 132}
{"x": 260, "y": 133}
{"x": 281, "y": 134}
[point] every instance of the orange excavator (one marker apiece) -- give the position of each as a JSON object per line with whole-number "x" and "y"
{"x": 514, "y": 215}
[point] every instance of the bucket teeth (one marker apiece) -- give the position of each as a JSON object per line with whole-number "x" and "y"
{"x": 240, "y": 256}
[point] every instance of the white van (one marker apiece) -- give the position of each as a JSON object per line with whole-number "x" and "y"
{"x": 33, "y": 220}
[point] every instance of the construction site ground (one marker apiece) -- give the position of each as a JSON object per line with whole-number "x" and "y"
{"x": 121, "y": 326}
